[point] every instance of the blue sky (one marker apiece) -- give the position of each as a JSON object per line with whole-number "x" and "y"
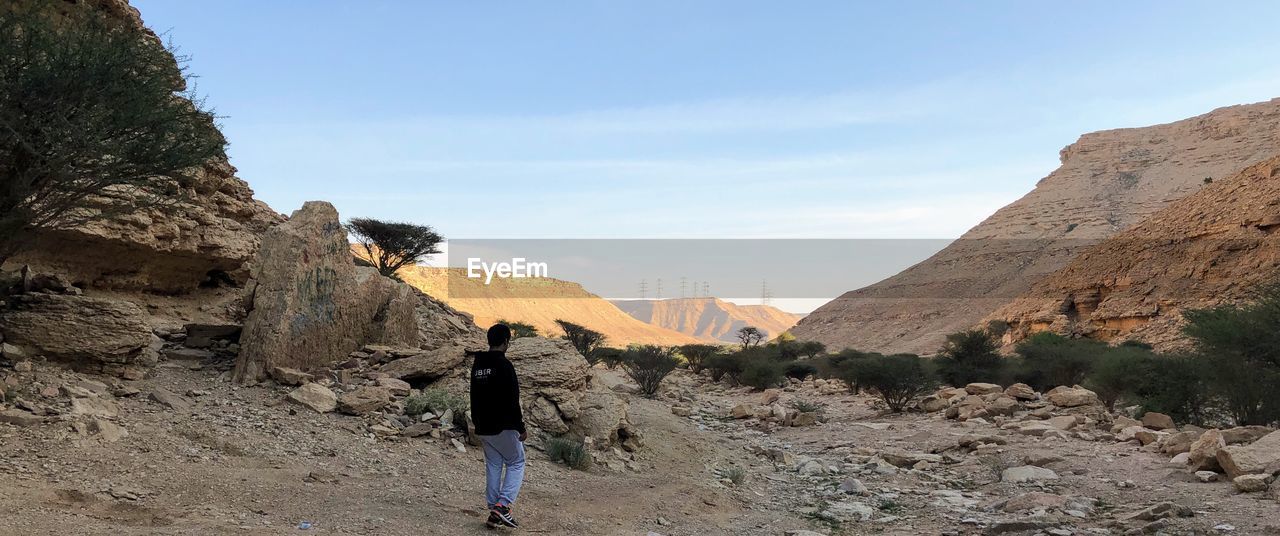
{"x": 712, "y": 119}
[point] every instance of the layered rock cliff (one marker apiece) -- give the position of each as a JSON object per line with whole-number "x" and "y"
{"x": 1108, "y": 181}
{"x": 709, "y": 318}
{"x": 1205, "y": 249}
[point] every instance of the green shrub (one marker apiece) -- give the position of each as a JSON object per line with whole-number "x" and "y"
{"x": 970, "y": 356}
{"x": 1242, "y": 345}
{"x": 808, "y": 406}
{"x": 1118, "y": 371}
{"x": 584, "y": 339}
{"x": 611, "y": 357}
{"x": 761, "y": 373}
{"x": 93, "y": 123}
{"x": 722, "y": 365}
{"x": 696, "y": 355}
{"x": 1049, "y": 360}
{"x": 572, "y": 453}
{"x": 800, "y": 370}
{"x": 1176, "y": 385}
{"x": 520, "y": 329}
{"x": 737, "y": 475}
{"x": 898, "y": 379}
{"x": 437, "y": 401}
{"x": 811, "y": 349}
{"x": 648, "y": 365}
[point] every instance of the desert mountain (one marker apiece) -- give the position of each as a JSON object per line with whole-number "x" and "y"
{"x": 1202, "y": 250}
{"x": 1108, "y": 182}
{"x": 709, "y": 318}
{"x": 539, "y": 302}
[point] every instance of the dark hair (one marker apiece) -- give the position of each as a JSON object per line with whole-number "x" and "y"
{"x": 499, "y": 335}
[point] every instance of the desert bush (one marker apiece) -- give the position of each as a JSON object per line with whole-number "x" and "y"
{"x": 696, "y": 355}
{"x": 520, "y": 329}
{"x": 611, "y": 357}
{"x": 761, "y": 373}
{"x": 648, "y": 365}
{"x": 722, "y": 365}
{"x": 390, "y": 246}
{"x": 437, "y": 401}
{"x": 1049, "y": 360}
{"x": 92, "y": 125}
{"x": 1242, "y": 345}
{"x": 735, "y": 474}
{"x": 1176, "y": 385}
{"x": 898, "y": 378}
{"x": 808, "y": 406}
{"x": 811, "y": 349}
{"x": 800, "y": 370}
{"x": 970, "y": 356}
{"x": 569, "y": 452}
{"x": 1118, "y": 371}
{"x": 583, "y": 339}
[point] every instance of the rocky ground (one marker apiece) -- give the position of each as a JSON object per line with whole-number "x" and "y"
{"x": 188, "y": 452}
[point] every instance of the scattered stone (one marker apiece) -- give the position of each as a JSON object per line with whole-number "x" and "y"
{"x": 290, "y": 376}
{"x": 983, "y": 388}
{"x": 315, "y": 396}
{"x": 107, "y": 430}
{"x": 23, "y": 366}
{"x": 18, "y": 417}
{"x": 769, "y": 396}
{"x": 1245, "y": 434}
{"x": 853, "y": 486}
{"x": 94, "y": 407}
{"x": 932, "y": 403}
{"x": 805, "y": 419}
{"x": 1160, "y": 511}
{"x": 425, "y": 365}
{"x": 320, "y": 476}
{"x": 169, "y": 399}
{"x": 1206, "y": 476}
{"x": 1034, "y": 501}
{"x": 396, "y": 386}
{"x": 1204, "y": 451}
{"x": 741, "y": 411}
{"x": 1027, "y": 473}
{"x": 364, "y": 400}
{"x": 457, "y": 445}
{"x": 681, "y": 411}
{"x": 1072, "y": 397}
{"x": 1022, "y": 391}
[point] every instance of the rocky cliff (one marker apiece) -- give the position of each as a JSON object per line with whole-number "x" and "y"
{"x": 1202, "y": 250}
{"x": 709, "y": 318}
{"x": 206, "y": 237}
{"x": 1108, "y": 181}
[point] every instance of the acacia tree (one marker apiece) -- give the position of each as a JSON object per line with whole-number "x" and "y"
{"x": 696, "y": 355}
{"x": 95, "y": 121}
{"x": 520, "y": 329}
{"x": 391, "y": 246}
{"x": 750, "y": 336}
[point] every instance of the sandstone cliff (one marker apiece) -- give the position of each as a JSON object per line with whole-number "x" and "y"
{"x": 1202, "y": 250}
{"x": 539, "y": 302}
{"x": 208, "y": 236}
{"x": 709, "y": 318}
{"x": 1108, "y": 181}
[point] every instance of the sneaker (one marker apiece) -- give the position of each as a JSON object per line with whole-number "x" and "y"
{"x": 493, "y": 521}
{"x": 503, "y": 513}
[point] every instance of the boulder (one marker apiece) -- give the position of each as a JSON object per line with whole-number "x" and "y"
{"x": 1022, "y": 391}
{"x": 1204, "y": 451}
{"x": 805, "y": 418}
{"x": 1003, "y": 405}
{"x": 312, "y": 306}
{"x": 315, "y": 396}
{"x": 426, "y": 365}
{"x": 1261, "y": 456}
{"x": 741, "y": 411}
{"x": 364, "y": 400}
{"x": 18, "y": 417}
{"x": 397, "y": 387}
{"x": 94, "y": 407}
{"x": 1178, "y": 443}
{"x": 93, "y": 334}
{"x": 1252, "y": 483}
{"x": 983, "y": 388}
{"x": 1034, "y": 500}
{"x": 544, "y": 414}
{"x": 107, "y": 430}
{"x": 1070, "y": 397}
{"x": 1063, "y": 422}
{"x": 769, "y": 396}
{"x": 169, "y": 399}
{"x": 1121, "y": 422}
{"x": 932, "y": 403}
{"x": 1245, "y": 434}
{"x": 603, "y": 418}
{"x": 1158, "y": 421}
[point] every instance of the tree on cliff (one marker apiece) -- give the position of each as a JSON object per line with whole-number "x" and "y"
{"x": 95, "y": 122}
{"x": 391, "y": 246}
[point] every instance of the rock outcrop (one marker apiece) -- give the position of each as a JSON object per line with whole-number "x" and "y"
{"x": 312, "y": 306}
{"x": 1205, "y": 249}
{"x": 1108, "y": 182}
{"x": 92, "y": 334}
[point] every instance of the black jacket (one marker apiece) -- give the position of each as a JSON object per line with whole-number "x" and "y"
{"x": 495, "y": 394}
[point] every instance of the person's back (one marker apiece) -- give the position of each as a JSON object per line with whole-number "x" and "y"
{"x": 495, "y": 412}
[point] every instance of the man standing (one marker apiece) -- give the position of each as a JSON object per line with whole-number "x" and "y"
{"x": 495, "y": 410}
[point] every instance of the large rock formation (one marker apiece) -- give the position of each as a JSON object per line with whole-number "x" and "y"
{"x": 1203, "y": 250}
{"x": 1108, "y": 182}
{"x": 312, "y": 306}
{"x": 709, "y": 318}
{"x": 207, "y": 235}
{"x": 92, "y": 334}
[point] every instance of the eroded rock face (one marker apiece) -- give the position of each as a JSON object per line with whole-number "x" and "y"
{"x": 93, "y": 334}
{"x": 312, "y": 306}
{"x": 1108, "y": 182}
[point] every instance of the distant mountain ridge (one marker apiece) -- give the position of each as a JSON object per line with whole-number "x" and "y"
{"x": 538, "y": 302}
{"x": 709, "y": 318}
